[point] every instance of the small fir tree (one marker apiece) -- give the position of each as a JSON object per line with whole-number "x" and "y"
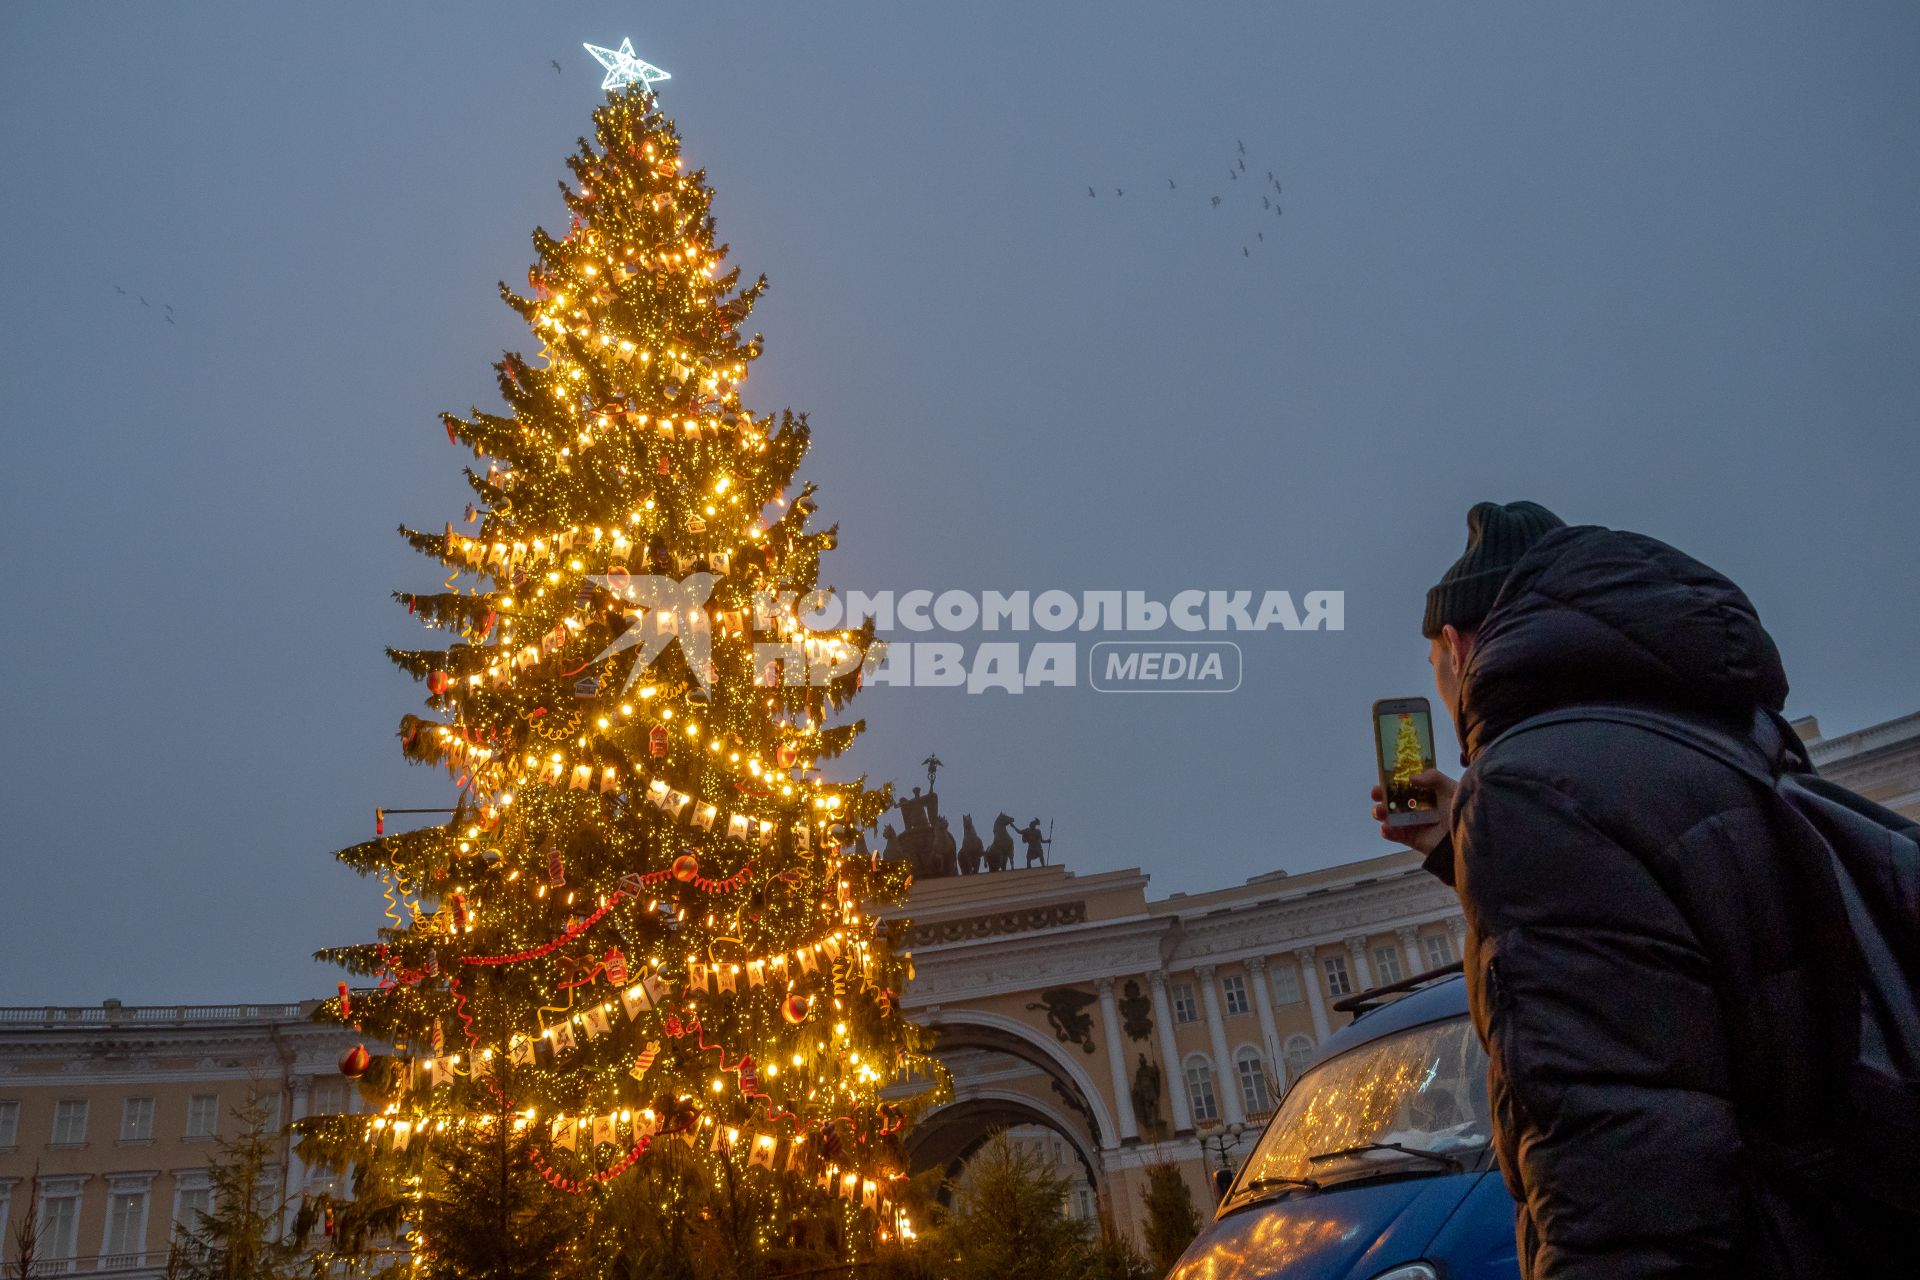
{"x": 1008, "y": 1221}
{"x": 1172, "y": 1221}
{"x": 242, "y": 1235}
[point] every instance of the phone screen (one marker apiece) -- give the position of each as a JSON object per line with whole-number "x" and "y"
{"x": 1406, "y": 748}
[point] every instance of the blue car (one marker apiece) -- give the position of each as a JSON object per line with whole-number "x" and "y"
{"x": 1378, "y": 1164}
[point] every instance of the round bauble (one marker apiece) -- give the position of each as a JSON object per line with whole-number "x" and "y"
{"x": 685, "y": 868}
{"x": 795, "y": 1008}
{"x": 355, "y": 1061}
{"x": 437, "y": 682}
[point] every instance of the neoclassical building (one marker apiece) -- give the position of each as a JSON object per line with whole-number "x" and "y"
{"x": 1143, "y": 1030}
{"x": 120, "y": 1107}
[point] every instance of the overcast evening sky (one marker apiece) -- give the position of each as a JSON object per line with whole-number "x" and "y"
{"x": 1656, "y": 266}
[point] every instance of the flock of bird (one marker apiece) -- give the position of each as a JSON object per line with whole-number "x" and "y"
{"x": 1245, "y": 185}
{"x": 166, "y": 308}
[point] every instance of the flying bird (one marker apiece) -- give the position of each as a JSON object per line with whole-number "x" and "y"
{"x": 1235, "y": 176}
{"x": 169, "y": 320}
{"x": 555, "y": 64}
{"x": 1265, "y": 203}
{"x": 1117, "y": 191}
{"x": 1241, "y": 145}
{"x": 143, "y": 299}
{"x": 168, "y": 306}
{"x": 122, "y": 292}
{"x": 1170, "y": 185}
{"x": 1244, "y": 252}
{"x": 1243, "y": 166}
{"x": 1089, "y": 193}
{"x": 1261, "y": 236}
{"x": 1216, "y": 202}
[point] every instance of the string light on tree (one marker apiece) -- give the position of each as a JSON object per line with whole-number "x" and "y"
{"x": 628, "y": 939}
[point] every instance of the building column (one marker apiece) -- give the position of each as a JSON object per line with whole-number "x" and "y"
{"x": 1457, "y": 927}
{"x": 300, "y": 1087}
{"x": 1170, "y": 1054}
{"x": 1362, "y": 971}
{"x": 1226, "y": 1080}
{"x": 1410, "y": 943}
{"x": 1263, "y": 1006}
{"x": 1316, "y": 1003}
{"x": 1117, "y": 1063}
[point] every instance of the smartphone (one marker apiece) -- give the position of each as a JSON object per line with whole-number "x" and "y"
{"x": 1403, "y": 742}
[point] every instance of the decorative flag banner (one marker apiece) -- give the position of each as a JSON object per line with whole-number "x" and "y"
{"x": 660, "y": 794}
{"x": 796, "y": 1152}
{"x": 729, "y": 975}
{"x": 520, "y": 1050}
{"x": 801, "y": 843}
{"x": 697, "y": 977}
{"x": 704, "y": 815}
{"x": 596, "y": 1021}
{"x": 756, "y": 972}
{"x": 763, "y": 1148}
{"x": 766, "y": 834}
{"x": 564, "y": 1040}
{"x": 870, "y": 1194}
{"x": 603, "y": 1131}
{"x": 739, "y": 826}
{"x": 850, "y": 1186}
{"x": 566, "y": 1133}
{"x": 402, "y": 1134}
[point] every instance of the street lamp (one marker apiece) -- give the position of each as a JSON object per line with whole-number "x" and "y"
{"x": 1222, "y": 1144}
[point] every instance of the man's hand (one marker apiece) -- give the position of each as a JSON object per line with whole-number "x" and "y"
{"x": 1428, "y": 834}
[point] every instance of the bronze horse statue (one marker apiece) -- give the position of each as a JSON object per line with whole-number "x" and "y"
{"x": 1000, "y": 852}
{"x": 971, "y": 852}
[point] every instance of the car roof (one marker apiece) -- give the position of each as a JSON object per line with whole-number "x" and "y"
{"x": 1434, "y": 1002}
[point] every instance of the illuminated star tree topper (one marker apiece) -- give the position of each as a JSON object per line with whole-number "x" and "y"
{"x": 623, "y": 68}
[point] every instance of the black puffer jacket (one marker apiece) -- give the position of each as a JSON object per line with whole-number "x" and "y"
{"x": 1636, "y": 961}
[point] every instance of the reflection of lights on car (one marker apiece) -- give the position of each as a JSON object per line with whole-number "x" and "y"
{"x": 1401, "y": 1100}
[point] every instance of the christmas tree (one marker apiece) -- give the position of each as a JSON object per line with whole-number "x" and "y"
{"x": 1408, "y": 759}
{"x": 643, "y": 934}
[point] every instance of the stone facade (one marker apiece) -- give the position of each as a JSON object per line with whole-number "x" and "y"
{"x": 1057, "y": 997}
{"x": 120, "y": 1108}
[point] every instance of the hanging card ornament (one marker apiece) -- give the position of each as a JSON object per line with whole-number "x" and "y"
{"x": 566, "y": 1133}
{"x": 802, "y": 838}
{"x": 581, "y": 777}
{"x": 609, "y": 779}
{"x": 762, "y": 1150}
{"x": 660, "y": 794}
{"x": 596, "y": 1022}
{"x": 739, "y": 826}
{"x": 704, "y": 815}
{"x": 729, "y": 978}
{"x": 564, "y": 1041}
{"x": 603, "y": 1131}
{"x": 767, "y": 830}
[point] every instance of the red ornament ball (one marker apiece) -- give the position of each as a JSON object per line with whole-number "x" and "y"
{"x": 437, "y": 682}
{"x": 355, "y": 1061}
{"x": 685, "y": 868}
{"x": 795, "y": 1008}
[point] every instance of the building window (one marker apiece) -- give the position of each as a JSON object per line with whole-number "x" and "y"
{"x": 126, "y": 1223}
{"x": 1286, "y": 983}
{"x": 329, "y": 1098}
{"x": 1299, "y": 1053}
{"x": 270, "y": 1113}
{"x": 1206, "y": 1108}
{"x": 1254, "y": 1094}
{"x": 1386, "y": 965}
{"x": 188, "y": 1204}
{"x": 1337, "y": 982}
{"x": 9, "y": 1123}
{"x": 136, "y": 1120}
{"x": 1235, "y": 988}
{"x": 59, "y": 1225}
{"x": 69, "y": 1122}
{"x": 203, "y": 1115}
{"x": 1184, "y": 1009}
{"x": 1439, "y": 950}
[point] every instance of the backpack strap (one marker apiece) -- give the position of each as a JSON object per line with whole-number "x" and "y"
{"x": 1723, "y": 747}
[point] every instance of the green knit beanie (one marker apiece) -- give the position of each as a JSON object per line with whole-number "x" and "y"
{"x": 1497, "y": 536}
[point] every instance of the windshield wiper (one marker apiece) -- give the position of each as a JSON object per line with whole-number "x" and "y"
{"x": 1264, "y": 1184}
{"x": 1451, "y": 1163}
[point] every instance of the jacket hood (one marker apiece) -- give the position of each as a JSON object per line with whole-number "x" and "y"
{"x": 1601, "y": 615}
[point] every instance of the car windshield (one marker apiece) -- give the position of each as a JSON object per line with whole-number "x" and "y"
{"x": 1424, "y": 1090}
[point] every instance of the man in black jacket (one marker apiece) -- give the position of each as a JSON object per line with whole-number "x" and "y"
{"x": 1650, "y": 1001}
